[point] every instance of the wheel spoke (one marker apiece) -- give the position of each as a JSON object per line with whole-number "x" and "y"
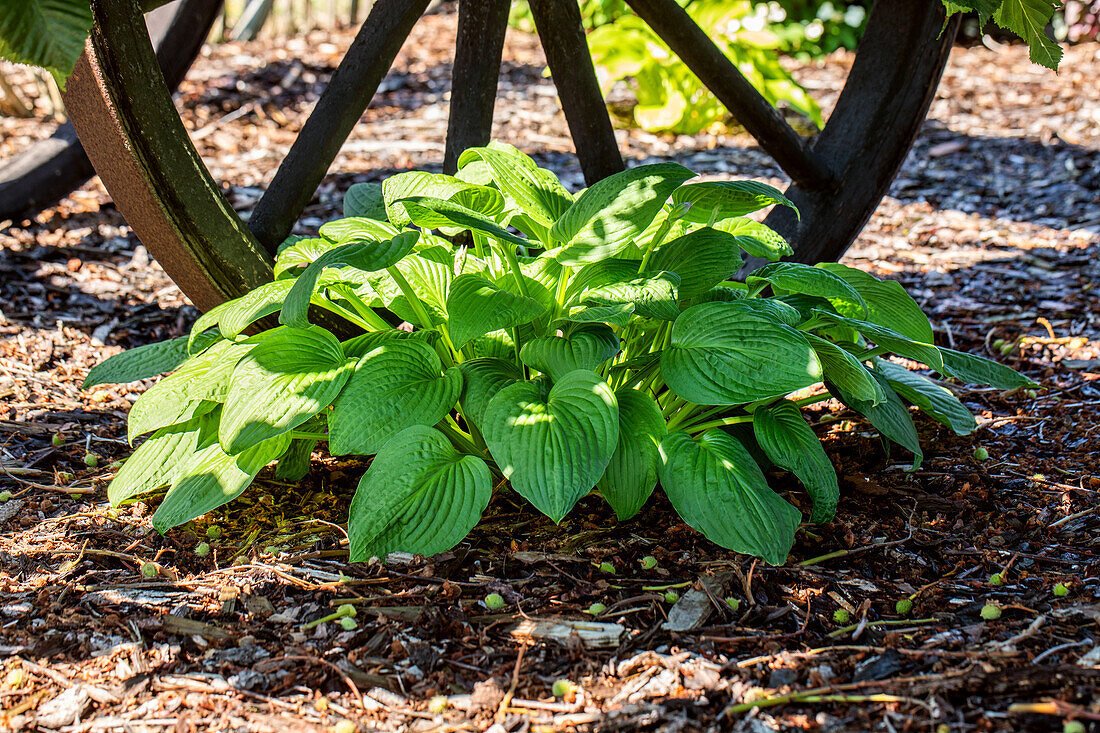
{"x": 347, "y": 95}
{"x": 481, "y": 28}
{"x": 562, "y": 35}
{"x": 688, "y": 41}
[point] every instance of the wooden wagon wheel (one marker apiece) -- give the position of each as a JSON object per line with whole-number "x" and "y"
{"x": 124, "y": 114}
{"x": 51, "y": 168}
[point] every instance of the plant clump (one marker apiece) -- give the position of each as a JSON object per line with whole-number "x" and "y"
{"x": 561, "y": 342}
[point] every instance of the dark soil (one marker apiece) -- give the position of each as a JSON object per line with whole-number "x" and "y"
{"x": 993, "y": 224}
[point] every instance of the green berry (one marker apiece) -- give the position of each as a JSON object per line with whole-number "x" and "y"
{"x": 494, "y": 602}
{"x": 348, "y": 624}
{"x": 649, "y": 562}
{"x": 733, "y": 603}
{"x": 1061, "y": 590}
{"x": 841, "y": 616}
{"x": 91, "y": 460}
{"x": 563, "y": 688}
{"x": 5, "y": 496}
{"x": 57, "y": 440}
{"x": 606, "y": 567}
{"x": 903, "y": 607}
{"x": 150, "y": 570}
{"x": 595, "y": 609}
{"x": 1073, "y": 726}
{"x": 202, "y": 549}
{"x": 991, "y": 612}
{"x": 671, "y": 597}
{"x": 438, "y": 704}
{"x": 345, "y": 610}
{"x": 1031, "y": 393}
{"x": 981, "y": 454}
{"x": 213, "y": 532}
{"x": 996, "y": 579}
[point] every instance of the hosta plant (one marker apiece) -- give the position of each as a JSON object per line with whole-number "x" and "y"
{"x": 548, "y": 342}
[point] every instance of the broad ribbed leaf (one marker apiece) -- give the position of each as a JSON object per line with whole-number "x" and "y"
{"x": 194, "y": 389}
{"x": 301, "y": 253}
{"x": 721, "y": 355}
{"x": 433, "y": 213}
{"x": 280, "y": 384}
{"x": 653, "y": 295}
{"x": 889, "y": 339}
{"x": 770, "y": 308}
{"x": 416, "y": 183}
{"x": 796, "y": 277}
{"x": 477, "y": 306}
{"x": 356, "y": 228}
{"x": 609, "y": 214}
{"x": 236, "y": 315}
{"x": 936, "y": 401}
{"x": 617, "y": 315}
{"x": 631, "y": 475}
{"x": 756, "y": 238}
{"x": 887, "y": 303}
{"x": 419, "y": 495}
{"x": 713, "y": 201}
{"x": 482, "y": 378}
{"x": 536, "y": 191}
{"x": 398, "y": 385}
{"x": 147, "y": 361}
{"x": 293, "y": 464}
{"x": 890, "y": 417}
{"x": 584, "y": 348}
{"x": 365, "y": 200}
{"x": 553, "y": 444}
{"x": 846, "y": 371}
{"x": 974, "y": 369}
{"x": 363, "y": 255}
{"x": 156, "y": 461}
{"x": 361, "y": 345}
{"x": 717, "y": 488}
{"x": 46, "y": 33}
{"x": 790, "y": 443}
{"x": 701, "y": 259}
{"x": 211, "y": 478}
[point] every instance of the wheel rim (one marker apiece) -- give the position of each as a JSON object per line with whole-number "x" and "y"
{"x": 123, "y": 111}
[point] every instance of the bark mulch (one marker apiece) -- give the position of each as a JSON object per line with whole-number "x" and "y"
{"x": 993, "y": 224}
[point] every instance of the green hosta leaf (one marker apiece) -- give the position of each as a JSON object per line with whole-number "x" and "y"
{"x": 889, "y": 339}
{"x": 396, "y": 386}
{"x": 236, "y": 315}
{"x": 416, "y": 183}
{"x": 553, "y": 444}
{"x": 713, "y": 201}
{"x": 632, "y": 473}
{"x": 770, "y": 308}
{"x": 617, "y": 315}
{"x": 301, "y": 253}
{"x": 846, "y": 371}
{"x": 536, "y": 191}
{"x": 482, "y": 378}
{"x": 477, "y": 307}
{"x": 497, "y": 345}
{"x": 430, "y": 281}
{"x": 419, "y": 495}
{"x": 280, "y": 384}
{"x": 608, "y": 215}
{"x": 365, "y": 200}
{"x": 721, "y": 355}
{"x": 890, "y": 417}
{"x": 361, "y": 345}
{"x": 653, "y": 295}
{"x": 974, "y": 369}
{"x": 722, "y": 294}
{"x": 293, "y": 465}
{"x": 584, "y": 348}
{"x": 146, "y": 361}
{"x": 46, "y": 33}
{"x": 796, "y": 277}
{"x": 607, "y": 272}
{"x": 936, "y": 401}
{"x": 790, "y": 443}
{"x": 364, "y": 255}
{"x": 887, "y": 303}
{"x": 194, "y": 389}
{"x": 432, "y": 213}
{"x": 1028, "y": 19}
{"x": 757, "y": 239}
{"x": 211, "y": 478}
{"x": 717, "y": 488}
{"x": 701, "y": 259}
{"x": 358, "y": 228}
{"x": 156, "y": 461}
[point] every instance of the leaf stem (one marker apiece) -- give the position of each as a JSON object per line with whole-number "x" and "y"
{"x": 735, "y": 420}
{"x": 341, "y": 311}
{"x": 305, "y": 435}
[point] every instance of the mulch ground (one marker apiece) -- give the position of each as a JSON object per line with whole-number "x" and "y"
{"x": 993, "y": 224}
